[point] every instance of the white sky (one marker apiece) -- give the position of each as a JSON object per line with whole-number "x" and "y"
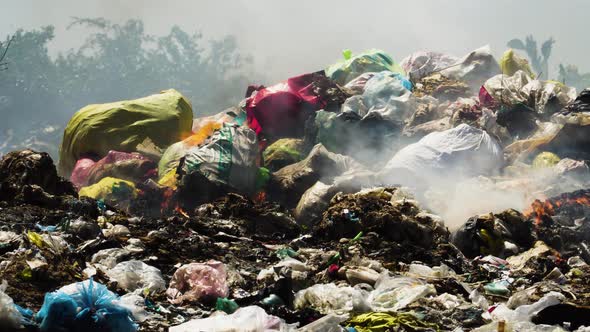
{"x": 292, "y": 37}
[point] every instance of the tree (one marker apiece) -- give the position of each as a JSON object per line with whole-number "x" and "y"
{"x": 28, "y": 85}
{"x": 3, "y": 50}
{"x": 570, "y": 75}
{"x": 115, "y": 62}
{"x": 540, "y": 62}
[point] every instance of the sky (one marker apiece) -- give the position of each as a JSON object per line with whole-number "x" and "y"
{"x": 287, "y": 38}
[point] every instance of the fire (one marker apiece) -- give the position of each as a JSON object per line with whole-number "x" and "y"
{"x": 540, "y": 208}
{"x": 166, "y": 199}
{"x": 260, "y": 197}
{"x": 168, "y": 202}
{"x": 181, "y": 211}
{"x": 583, "y": 200}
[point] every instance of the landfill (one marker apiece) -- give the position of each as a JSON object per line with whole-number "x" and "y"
{"x": 434, "y": 193}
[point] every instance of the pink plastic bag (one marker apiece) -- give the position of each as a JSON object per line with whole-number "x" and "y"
{"x": 127, "y": 166}
{"x": 196, "y": 282}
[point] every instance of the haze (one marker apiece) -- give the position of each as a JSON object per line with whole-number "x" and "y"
{"x": 290, "y": 37}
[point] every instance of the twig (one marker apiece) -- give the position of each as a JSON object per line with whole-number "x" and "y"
{"x": 4, "y": 65}
{"x": 5, "y": 51}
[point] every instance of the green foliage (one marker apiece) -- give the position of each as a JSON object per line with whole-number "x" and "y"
{"x": 539, "y": 62}
{"x": 115, "y": 62}
{"x": 28, "y": 82}
{"x": 568, "y": 74}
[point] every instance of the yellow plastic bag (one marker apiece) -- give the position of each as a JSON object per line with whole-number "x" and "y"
{"x": 164, "y": 118}
{"x": 545, "y": 160}
{"x": 110, "y": 189}
{"x": 510, "y": 63}
{"x": 169, "y": 179}
{"x": 36, "y": 239}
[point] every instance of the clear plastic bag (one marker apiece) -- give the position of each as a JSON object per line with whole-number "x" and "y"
{"x": 10, "y": 316}
{"x": 132, "y": 275}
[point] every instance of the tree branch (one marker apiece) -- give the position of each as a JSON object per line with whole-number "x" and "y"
{"x": 4, "y": 64}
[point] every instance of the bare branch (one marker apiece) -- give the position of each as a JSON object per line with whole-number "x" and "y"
{"x": 5, "y": 51}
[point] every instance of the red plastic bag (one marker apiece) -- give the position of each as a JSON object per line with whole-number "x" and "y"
{"x": 281, "y": 110}
{"x": 485, "y": 99}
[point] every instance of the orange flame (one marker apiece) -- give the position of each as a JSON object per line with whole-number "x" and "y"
{"x": 539, "y": 209}
{"x": 166, "y": 199}
{"x": 260, "y": 197}
{"x": 181, "y": 211}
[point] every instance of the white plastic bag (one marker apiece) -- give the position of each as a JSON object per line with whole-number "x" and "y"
{"x": 247, "y": 319}
{"x": 10, "y": 317}
{"x": 328, "y": 323}
{"x": 132, "y": 275}
{"x": 395, "y": 293}
{"x": 326, "y": 298}
{"x": 524, "y": 313}
{"x": 421, "y": 64}
{"x": 474, "y": 68}
{"x": 517, "y": 327}
{"x": 540, "y": 92}
{"x": 460, "y": 152}
{"x": 108, "y": 258}
{"x": 386, "y": 95}
{"x": 424, "y": 271}
{"x": 521, "y": 88}
{"x": 508, "y": 90}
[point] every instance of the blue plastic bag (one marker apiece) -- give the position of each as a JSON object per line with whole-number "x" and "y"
{"x": 42, "y": 228}
{"x": 388, "y": 94}
{"x": 403, "y": 80}
{"x": 27, "y": 315}
{"x": 85, "y": 306}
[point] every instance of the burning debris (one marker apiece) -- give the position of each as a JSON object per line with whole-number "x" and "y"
{"x": 366, "y": 197}
{"x": 570, "y": 206}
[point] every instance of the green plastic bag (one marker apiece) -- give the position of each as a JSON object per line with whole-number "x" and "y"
{"x": 283, "y": 152}
{"x": 353, "y": 66}
{"x": 226, "y": 305}
{"x": 165, "y": 118}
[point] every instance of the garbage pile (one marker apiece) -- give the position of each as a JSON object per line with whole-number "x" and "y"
{"x": 436, "y": 194}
